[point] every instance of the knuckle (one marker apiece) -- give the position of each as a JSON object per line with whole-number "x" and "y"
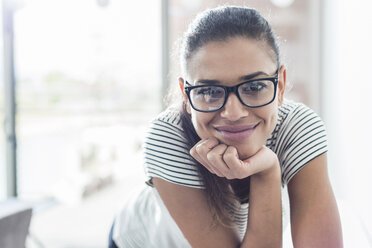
{"x": 223, "y": 146}
{"x": 210, "y": 156}
{"x": 212, "y": 141}
{"x": 227, "y": 156}
{"x": 198, "y": 148}
{"x": 193, "y": 151}
{"x": 211, "y": 144}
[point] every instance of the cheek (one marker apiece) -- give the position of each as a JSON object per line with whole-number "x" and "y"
{"x": 273, "y": 119}
{"x": 270, "y": 115}
{"x": 201, "y": 121}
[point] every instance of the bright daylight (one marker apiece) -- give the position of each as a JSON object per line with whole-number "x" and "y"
{"x": 155, "y": 123}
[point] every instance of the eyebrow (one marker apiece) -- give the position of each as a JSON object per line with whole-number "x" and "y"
{"x": 242, "y": 78}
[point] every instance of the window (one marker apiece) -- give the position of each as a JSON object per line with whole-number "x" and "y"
{"x": 86, "y": 75}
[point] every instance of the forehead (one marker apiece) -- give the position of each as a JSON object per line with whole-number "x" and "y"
{"x": 229, "y": 60}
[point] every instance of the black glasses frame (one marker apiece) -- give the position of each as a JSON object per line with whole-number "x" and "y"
{"x": 233, "y": 89}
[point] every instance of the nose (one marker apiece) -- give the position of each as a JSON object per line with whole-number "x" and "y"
{"x": 234, "y": 109}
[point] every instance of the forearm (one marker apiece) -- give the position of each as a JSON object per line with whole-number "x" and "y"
{"x": 264, "y": 227}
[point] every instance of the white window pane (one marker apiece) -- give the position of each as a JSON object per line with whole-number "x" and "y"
{"x": 88, "y": 81}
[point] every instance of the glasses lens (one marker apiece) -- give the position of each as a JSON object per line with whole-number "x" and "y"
{"x": 256, "y": 93}
{"x": 207, "y": 98}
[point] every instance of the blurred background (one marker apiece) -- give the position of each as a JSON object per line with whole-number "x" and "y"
{"x": 81, "y": 79}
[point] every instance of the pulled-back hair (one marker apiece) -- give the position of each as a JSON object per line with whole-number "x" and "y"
{"x": 221, "y": 24}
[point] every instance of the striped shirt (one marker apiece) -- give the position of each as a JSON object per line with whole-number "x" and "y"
{"x": 299, "y": 137}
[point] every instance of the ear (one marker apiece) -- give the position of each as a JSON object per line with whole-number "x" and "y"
{"x": 181, "y": 83}
{"x": 281, "y": 84}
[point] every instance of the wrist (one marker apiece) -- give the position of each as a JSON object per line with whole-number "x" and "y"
{"x": 272, "y": 172}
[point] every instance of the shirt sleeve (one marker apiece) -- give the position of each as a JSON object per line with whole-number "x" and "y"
{"x": 302, "y": 139}
{"x": 166, "y": 153}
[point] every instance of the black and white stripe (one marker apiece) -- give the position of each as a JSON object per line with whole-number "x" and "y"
{"x": 166, "y": 153}
{"x": 298, "y": 137}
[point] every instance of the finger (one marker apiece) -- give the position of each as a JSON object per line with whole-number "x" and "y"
{"x": 205, "y": 146}
{"x": 199, "y": 159}
{"x": 215, "y": 160}
{"x": 260, "y": 161}
{"x": 237, "y": 167}
{"x": 201, "y": 149}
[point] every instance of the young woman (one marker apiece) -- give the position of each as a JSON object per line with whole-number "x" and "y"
{"x": 218, "y": 164}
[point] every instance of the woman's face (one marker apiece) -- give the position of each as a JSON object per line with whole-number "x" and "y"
{"x": 226, "y": 63}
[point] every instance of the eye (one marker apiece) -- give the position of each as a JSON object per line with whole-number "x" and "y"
{"x": 207, "y": 94}
{"x": 254, "y": 87}
{"x": 213, "y": 92}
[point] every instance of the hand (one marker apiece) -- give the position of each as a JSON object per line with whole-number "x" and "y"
{"x": 223, "y": 160}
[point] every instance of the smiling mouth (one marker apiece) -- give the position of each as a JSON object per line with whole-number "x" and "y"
{"x": 236, "y": 133}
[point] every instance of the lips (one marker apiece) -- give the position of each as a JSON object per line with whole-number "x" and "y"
{"x": 236, "y": 132}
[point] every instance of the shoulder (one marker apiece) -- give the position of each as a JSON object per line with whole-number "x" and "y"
{"x": 168, "y": 121}
{"x": 166, "y": 151}
{"x": 291, "y": 111}
{"x": 295, "y": 120}
{"x": 165, "y": 131}
{"x": 171, "y": 116}
{"x": 299, "y": 137}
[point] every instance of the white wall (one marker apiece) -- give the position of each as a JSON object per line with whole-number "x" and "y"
{"x": 347, "y": 101}
{"x": 2, "y": 131}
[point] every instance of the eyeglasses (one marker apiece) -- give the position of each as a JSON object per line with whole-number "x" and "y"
{"x": 252, "y": 93}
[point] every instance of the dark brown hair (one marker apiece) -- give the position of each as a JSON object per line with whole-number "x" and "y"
{"x": 221, "y": 24}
